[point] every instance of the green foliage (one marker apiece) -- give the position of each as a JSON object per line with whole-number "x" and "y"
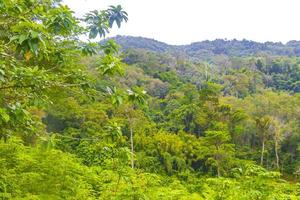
{"x": 29, "y": 173}
{"x": 117, "y": 15}
{"x": 100, "y": 22}
{"x": 137, "y": 96}
{"x": 76, "y": 124}
{"x": 219, "y": 148}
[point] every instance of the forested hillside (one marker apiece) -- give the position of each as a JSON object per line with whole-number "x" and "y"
{"x": 133, "y": 118}
{"x": 272, "y": 65}
{"x": 205, "y": 49}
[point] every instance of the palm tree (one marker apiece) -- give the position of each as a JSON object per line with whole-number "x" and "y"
{"x": 136, "y": 97}
{"x": 117, "y": 14}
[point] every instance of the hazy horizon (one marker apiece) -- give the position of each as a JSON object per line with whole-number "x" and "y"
{"x": 185, "y": 22}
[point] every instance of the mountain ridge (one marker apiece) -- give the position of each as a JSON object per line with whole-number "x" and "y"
{"x": 208, "y": 48}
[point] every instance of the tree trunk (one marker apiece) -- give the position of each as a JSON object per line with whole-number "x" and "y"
{"x": 276, "y": 153}
{"x": 218, "y": 170}
{"x": 262, "y": 153}
{"x": 131, "y": 144}
{"x": 217, "y": 157}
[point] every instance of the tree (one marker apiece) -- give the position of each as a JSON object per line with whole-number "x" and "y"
{"x": 260, "y": 65}
{"x": 275, "y": 129}
{"x": 40, "y": 54}
{"x": 263, "y": 125}
{"x": 218, "y": 149}
{"x": 136, "y": 97}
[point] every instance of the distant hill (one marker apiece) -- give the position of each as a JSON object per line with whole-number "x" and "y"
{"x": 142, "y": 43}
{"x": 211, "y": 48}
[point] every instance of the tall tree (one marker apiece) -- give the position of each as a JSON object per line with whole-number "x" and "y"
{"x": 263, "y": 126}
{"x": 218, "y": 149}
{"x": 136, "y": 97}
{"x": 275, "y": 129}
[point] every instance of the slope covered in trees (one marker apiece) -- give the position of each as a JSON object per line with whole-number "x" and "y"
{"x": 86, "y": 121}
{"x": 208, "y": 48}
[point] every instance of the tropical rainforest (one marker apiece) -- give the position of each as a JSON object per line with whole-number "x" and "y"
{"x": 134, "y": 118}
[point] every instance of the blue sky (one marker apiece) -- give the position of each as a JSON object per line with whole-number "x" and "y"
{"x": 186, "y": 21}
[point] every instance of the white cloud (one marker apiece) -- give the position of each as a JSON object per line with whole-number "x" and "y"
{"x": 186, "y": 21}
